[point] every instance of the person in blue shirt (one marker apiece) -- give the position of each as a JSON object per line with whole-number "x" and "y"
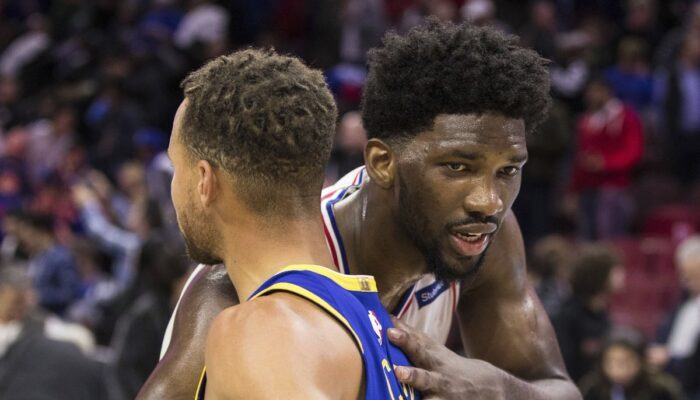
{"x": 51, "y": 265}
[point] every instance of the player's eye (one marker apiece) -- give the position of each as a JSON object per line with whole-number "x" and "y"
{"x": 455, "y": 167}
{"x": 510, "y": 171}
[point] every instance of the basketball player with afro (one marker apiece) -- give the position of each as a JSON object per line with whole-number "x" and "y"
{"x": 447, "y": 108}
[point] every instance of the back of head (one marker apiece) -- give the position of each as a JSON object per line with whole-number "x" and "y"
{"x": 550, "y": 255}
{"x": 443, "y": 68}
{"x": 161, "y": 263}
{"x": 591, "y": 271}
{"x": 266, "y": 119}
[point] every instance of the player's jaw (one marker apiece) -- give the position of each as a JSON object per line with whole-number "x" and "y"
{"x": 198, "y": 236}
{"x": 452, "y": 250}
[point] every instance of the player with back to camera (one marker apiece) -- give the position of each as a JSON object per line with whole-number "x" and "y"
{"x": 447, "y": 108}
{"x": 248, "y": 146}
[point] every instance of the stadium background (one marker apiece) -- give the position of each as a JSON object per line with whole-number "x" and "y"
{"x": 90, "y": 251}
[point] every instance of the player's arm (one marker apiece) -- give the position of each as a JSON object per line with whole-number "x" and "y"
{"x": 512, "y": 349}
{"x": 281, "y": 347}
{"x": 209, "y": 292}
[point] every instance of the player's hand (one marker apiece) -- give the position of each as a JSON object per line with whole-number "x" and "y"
{"x": 439, "y": 373}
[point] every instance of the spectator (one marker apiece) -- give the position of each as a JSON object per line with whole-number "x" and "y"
{"x": 162, "y": 270}
{"x": 26, "y": 47}
{"x": 12, "y": 249}
{"x": 151, "y": 146}
{"x": 483, "y": 13}
{"x": 50, "y": 141}
{"x": 679, "y": 336}
{"x": 415, "y": 14}
{"x": 98, "y": 287}
{"x": 640, "y": 21}
{"x": 677, "y": 95}
{"x": 112, "y": 119}
{"x": 631, "y": 78}
{"x": 205, "y": 22}
{"x": 547, "y": 152}
{"x": 130, "y": 196}
{"x": 583, "y": 321}
{"x": 11, "y": 110}
{"x": 350, "y": 143}
{"x": 540, "y": 32}
{"x": 673, "y": 40}
{"x": 362, "y": 28}
{"x": 570, "y": 70}
{"x": 34, "y": 364}
{"x": 122, "y": 243}
{"x": 550, "y": 271}
{"x": 52, "y": 265}
{"x": 623, "y": 374}
{"x": 609, "y": 147}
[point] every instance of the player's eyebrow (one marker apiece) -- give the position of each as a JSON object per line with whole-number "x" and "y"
{"x": 518, "y": 158}
{"x": 469, "y": 155}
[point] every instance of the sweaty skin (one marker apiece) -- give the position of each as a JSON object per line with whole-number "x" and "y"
{"x": 325, "y": 359}
{"x": 467, "y": 165}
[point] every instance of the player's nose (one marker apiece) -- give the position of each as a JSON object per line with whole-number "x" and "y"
{"x": 483, "y": 199}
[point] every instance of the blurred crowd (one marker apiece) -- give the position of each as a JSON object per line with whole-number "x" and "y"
{"x": 91, "y": 258}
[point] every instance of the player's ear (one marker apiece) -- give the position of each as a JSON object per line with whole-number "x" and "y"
{"x": 208, "y": 183}
{"x": 380, "y": 162}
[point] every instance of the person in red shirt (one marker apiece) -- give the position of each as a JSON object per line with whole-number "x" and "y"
{"x": 609, "y": 146}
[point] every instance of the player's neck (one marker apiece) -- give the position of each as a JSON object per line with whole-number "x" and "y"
{"x": 375, "y": 245}
{"x": 252, "y": 254}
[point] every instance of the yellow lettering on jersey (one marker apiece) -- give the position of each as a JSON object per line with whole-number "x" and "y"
{"x": 386, "y": 368}
{"x": 407, "y": 390}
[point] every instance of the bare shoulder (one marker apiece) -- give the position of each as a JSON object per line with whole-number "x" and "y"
{"x": 281, "y": 339}
{"x": 501, "y": 318}
{"x": 208, "y": 292}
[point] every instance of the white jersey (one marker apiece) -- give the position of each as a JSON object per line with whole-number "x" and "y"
{"x": 428, "y": 305}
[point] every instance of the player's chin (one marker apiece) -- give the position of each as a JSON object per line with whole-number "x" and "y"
{"x": 457, "y": 268}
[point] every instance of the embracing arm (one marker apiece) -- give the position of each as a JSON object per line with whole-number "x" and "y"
{"x": 177, "y": 374}
{"x": 503, "y": 323}
{"x": 510, "y": 344}
{"x": 281, "y": 346}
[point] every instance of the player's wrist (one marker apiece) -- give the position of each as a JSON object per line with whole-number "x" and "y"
{"x": 492, "y": 380}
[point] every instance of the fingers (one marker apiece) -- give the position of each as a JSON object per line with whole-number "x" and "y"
{"x": 419, "y": 379}
{"x": 417, "y": 347}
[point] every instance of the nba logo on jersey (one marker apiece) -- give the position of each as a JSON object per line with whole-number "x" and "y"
{"x": 375, "y": 325}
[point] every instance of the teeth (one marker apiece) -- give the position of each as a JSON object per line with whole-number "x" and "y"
{"x": 470, "y": 237}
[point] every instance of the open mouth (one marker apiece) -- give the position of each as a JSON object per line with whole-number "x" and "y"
{"x": 471, "y": 237}
{"x": 469, "y": 244}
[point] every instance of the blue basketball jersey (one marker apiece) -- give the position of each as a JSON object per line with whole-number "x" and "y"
{"x": 353, "y": 301}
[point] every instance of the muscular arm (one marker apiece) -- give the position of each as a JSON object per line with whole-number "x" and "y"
{"x": 281, "y": 346}
{"x": 177, "y": 375}
{"x": 503, "y": 323}
{"x": 511, "y": 349}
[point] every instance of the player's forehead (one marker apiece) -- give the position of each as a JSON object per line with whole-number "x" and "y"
{"x": 485, "y": 133}
{"x": 177, "y": 126}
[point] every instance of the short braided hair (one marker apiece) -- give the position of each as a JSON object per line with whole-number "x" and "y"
{"x": 264, "y": 118}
